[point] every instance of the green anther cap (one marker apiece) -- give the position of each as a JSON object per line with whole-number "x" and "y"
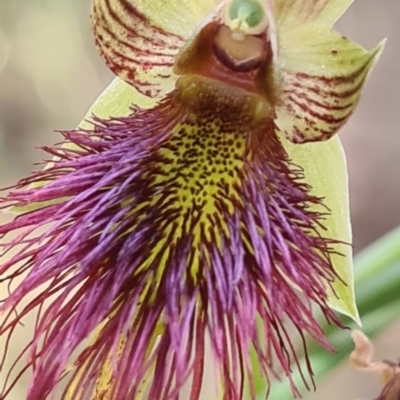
{"x": 249, "y": 11}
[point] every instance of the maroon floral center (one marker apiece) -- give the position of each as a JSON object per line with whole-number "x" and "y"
{"x": 216, "y": 53}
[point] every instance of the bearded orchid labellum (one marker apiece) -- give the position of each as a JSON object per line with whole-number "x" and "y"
{"x": 189, "y": 211}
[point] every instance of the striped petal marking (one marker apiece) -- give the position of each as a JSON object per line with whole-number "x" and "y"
{"x": 322, "y": 75}
{"x": 139, "y": 40}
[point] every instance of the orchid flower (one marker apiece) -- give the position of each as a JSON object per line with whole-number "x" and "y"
{"x": 201, "y": 204}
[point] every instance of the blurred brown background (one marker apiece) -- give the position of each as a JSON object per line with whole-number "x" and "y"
{"x": 50, "y": 74}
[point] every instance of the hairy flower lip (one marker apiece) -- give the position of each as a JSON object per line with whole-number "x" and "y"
{"x": 235, "y": 273}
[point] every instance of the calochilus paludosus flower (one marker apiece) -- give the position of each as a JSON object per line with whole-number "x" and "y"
{"x": 201, "y": 204}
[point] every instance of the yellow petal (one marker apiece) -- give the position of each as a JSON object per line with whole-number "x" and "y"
{"x": 322, "y": 76}
{"x": 140, "y": 39}
{"x": 292, "y": 13}
{"x": 325, "y": 169}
